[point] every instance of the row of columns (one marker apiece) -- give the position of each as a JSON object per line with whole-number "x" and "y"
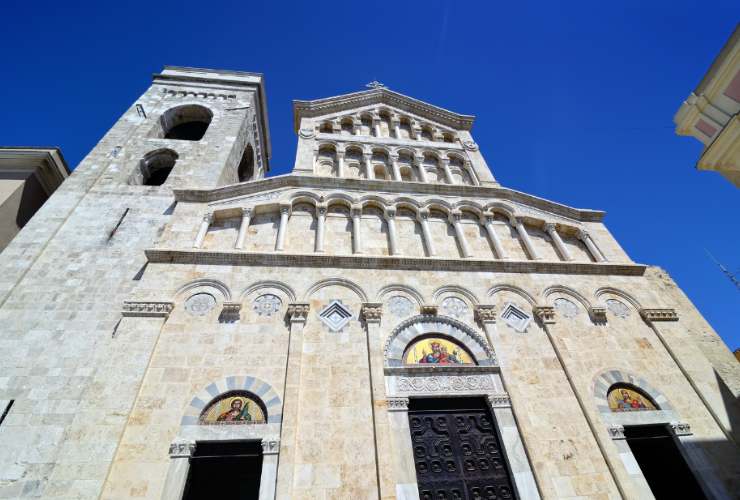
{"x": 417, "y": 162}
{"x": 395, "y": 126}
{"x": 422, "y": 216}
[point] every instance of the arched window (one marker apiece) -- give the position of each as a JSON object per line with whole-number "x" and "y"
{"x": 246, "y": 165}
{"x": 437, "y": 350}
{"x": 235, "y": 407}
{"x": 624, "y": 397}
{"x": 427, "y": 134}
{"x": 326, "y": 128}
{"x": 347, "y": 126}
{"x": 156, "y": 167}
{"x": 186, "y": 123}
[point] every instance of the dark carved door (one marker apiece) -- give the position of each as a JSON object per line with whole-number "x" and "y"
{"x": 457, "y": 452}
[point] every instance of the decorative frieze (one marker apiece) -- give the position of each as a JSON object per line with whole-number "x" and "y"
{"x": 398, "y": 404}
{"x": 681, "y": 429}
{"x": 444, "y": 384}
{"x": 147, "y": 309}
{"x": 270, "y": 446}
{"x": 298, "y": 312}
{"x": 499, "y": 400}
{"x": 598, "y": 314}
{"x": 372, "y": 312}
{"x": 485, "y": 313}
{"x": 429, "y": 309}
{"x": 651, "y": 315}
{"x": 230, "y": 312}
{"x": 182, "y": 449}
{"x": 546, "y": 314}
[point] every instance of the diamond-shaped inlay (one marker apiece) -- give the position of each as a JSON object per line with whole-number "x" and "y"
{"x": 515, "y": 317}
{"x": 336, "y": 315}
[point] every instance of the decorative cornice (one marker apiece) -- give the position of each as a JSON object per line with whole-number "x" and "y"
{"x": 147, "y": 309}
{"x": 270, "y": 446}
{"x": 237, "y": 258}
{"x": 428, "y": 309}
{"x": 230, "y": 312}
{"x": 681, "y": 429}
{"x": 546, "y": 314}
{"x": 485, "y": 313}
{"x": 500, "y": 400}
{"x": 616, "y": 431}
{"x": 348, "y": 102}
{"x": 409, "y": 188}
{"x": 372, "y": 312}
{"x": 398, "y": 404}
{"x": 182, "y": 449}
{"x": 666, "y": 314}
{"x": 298, "y": 312}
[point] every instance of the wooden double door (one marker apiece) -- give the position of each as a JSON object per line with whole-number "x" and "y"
{"x": 457, "y": 450}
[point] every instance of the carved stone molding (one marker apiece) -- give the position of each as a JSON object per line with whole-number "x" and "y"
{"x": 398, "y": 404}
{"x": 500, "y": 400}
{"x": 270, "y": 446}
{"x": 445, "y": 384}
{"x": 598, "y": 314}
{"x": 230, "y": 312}
{"x": 429, "y": 309}
{"x": 372, "y": 312}
{"x": 147, "y": 309}
{"x": 485, "y": 313}
{"x": 546, "y": 314}
{"x": 306, "y": 133}
{"x": 298, "y": 312}
{"x": 681, "y": 429}
{"x": 651, "y": 315}
{"x": 182, "y": 449}
{"x": 470, "y": 145}
{"x": 616, "y": 431}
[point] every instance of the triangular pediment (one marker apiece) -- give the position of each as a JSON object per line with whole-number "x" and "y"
{"x": 335, "y": 106}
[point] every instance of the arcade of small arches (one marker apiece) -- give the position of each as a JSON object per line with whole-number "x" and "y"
{"x": 385, "y": 123}
{"x": 374, "y": 226}
{"x": 354, "y": 161}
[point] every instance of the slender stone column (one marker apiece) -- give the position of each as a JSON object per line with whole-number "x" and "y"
{"x": 403, "y": 451}
{"x": 562, "y": 249}
{"x": 297, "y": 316}
{"x": 448, "y": 173}
{"x": 371, "y": 315}
{"x": 356, "y": 212}
{"x": 455, "y": 218}
{"x": 283, "y": 228}
{"x": 177, "y": 474}
{"x": 416, "y": 131}
{"x": 376, "y": 126}
{"x": 396, "y": 168}
{"x": 320, "y": 223}
{"x": 390, "y": 219}
{"x": 487, "y": 221}
{"x": 356, "y": 126}
{"x": 243, "y": 227}
{"x": 419, "y": 163}
{"x": 340, "y": 164}
{"x": 369, "y": 172}
{"x": 396, "y": 127}
{"x": 422, "y": 217}
{"x": 268, "y": 478}
{"x": 592, "y": 248}
{"x": 204, "y": 225}
{"x": 524, "y": 235}
{"x": 471, "y": 173}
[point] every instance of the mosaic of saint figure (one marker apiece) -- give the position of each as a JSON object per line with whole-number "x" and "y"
{"x": 235, "y": 409}
{"x": 437, "y": 351}
{"x": 626, "y": 399}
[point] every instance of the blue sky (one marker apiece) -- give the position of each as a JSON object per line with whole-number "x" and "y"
{"x": 574, "y": 102}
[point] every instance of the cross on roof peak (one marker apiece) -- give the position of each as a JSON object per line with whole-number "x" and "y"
{"x": 375, "y": 84}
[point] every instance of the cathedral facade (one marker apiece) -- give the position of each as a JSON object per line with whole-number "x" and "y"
{"x": 387, "y": 321}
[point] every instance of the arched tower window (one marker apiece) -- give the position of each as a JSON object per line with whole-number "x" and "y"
{"x": 625, "y": 397}
{"x": 186, "y": 123}
{"x": 326, "y": 128}
{"x": 437, "y": 350}
{"x": 235, "y": 407}
{"x": 246, "y": 165}
{"x": 156, "y": 166}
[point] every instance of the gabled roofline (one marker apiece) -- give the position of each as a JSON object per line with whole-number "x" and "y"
{"x": 319, "y": 107}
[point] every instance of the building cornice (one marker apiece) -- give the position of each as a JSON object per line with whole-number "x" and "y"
{"x": 407, "y": 188}
{"x": 239, "y": 258}
{"x": 47, "y": 163}
{"x": 346, "y": 102}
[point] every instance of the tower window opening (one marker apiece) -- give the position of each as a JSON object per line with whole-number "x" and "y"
{"x": 157, "y": 166}
{"x": 246, "y": 165}
{"x": 186, "y": 123}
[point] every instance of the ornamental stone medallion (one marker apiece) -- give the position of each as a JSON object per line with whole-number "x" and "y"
{"x": 566, "y": 308}
{"x": 200, "y": 304}
{"x": 400, "y": 306}
{"x": 267, "y": 304}
{"x": 619, "y": 309}
{"x": 455, "y": 307}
